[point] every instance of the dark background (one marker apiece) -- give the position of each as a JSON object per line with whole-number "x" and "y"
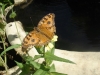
{"x": 77, "y": 22}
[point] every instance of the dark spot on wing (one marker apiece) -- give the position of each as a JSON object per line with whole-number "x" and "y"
{"x": 28, "y": 38}
{"x": 32, "y": 40}
{"x": 45, "y": 19}
{"x": 49, "y": 16}
{"x": 48, "y": 22}
{"x": 30, "y": 35}
{"x": 25, "y": 42}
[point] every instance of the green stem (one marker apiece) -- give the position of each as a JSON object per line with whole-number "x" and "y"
{"x": 5, "y": 58}
{"x": 2, "y": 61}
{"x": 44, "y": 57}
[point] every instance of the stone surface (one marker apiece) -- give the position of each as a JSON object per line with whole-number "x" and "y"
{"x": 87, "y": 63}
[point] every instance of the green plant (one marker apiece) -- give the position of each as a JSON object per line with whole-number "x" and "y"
{"x": 3, "y": 57}
{"x": 3, "y": 13}
{"x": 46, "y": 67}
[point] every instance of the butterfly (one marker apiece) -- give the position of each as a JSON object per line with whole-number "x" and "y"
{"x": 42, "y": 34}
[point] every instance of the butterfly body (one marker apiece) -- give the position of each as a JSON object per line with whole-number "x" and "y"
{"x": 42, "y": 34}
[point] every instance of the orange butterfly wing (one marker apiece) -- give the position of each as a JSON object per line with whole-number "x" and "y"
{"x": 47, "y": 25}
{"x": 41, "y": 34}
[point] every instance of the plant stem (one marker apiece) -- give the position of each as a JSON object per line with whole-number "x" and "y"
{"x": 44, "y": 57}
{"x": 5, "y": 58}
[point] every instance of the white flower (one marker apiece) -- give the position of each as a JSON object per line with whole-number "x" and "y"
{"x": 55, "y": 38}
{"x": 50, "y": 45}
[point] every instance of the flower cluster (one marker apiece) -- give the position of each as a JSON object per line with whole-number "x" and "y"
{"x": 51, "y": 45}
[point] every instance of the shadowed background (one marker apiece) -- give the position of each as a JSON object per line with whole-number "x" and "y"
{"x": 77, "y": 22}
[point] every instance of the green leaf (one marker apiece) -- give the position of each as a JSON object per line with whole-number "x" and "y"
{"x": 53, "y": 57}
{"x": 1, "y": 62}
{"x": 40, "y": 72}
{"x": 40, "y": 49}
{"x": 29, "y": 58}
{"x": 52, "y": 68}
{"x": 56, "y": 73}
{"x": 48, "y": 61}
{"x": 1, "y": 4}
{"x": 37, "y": 57}
{"x": 35, "y": 64}
{"x": 19, "y": 64}
{"x": 53, "y": 49}
{"x": 10, "y": 48}
{"x": 12, "y": 15}
{"x": 2, "y": 32}
{"x": 3, "y": 7}
{"x": 2, "y": 26}
{"x": 25, "y": 69}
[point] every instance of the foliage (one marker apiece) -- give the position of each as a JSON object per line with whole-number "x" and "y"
{"x": 3, "y": 57}
{"x": 46, "y": 67}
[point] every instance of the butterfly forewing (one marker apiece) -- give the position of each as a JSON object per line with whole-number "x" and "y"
{"x": 47, "y": 25}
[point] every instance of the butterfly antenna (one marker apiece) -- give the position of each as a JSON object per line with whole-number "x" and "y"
{"x": 31, "y": 21}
